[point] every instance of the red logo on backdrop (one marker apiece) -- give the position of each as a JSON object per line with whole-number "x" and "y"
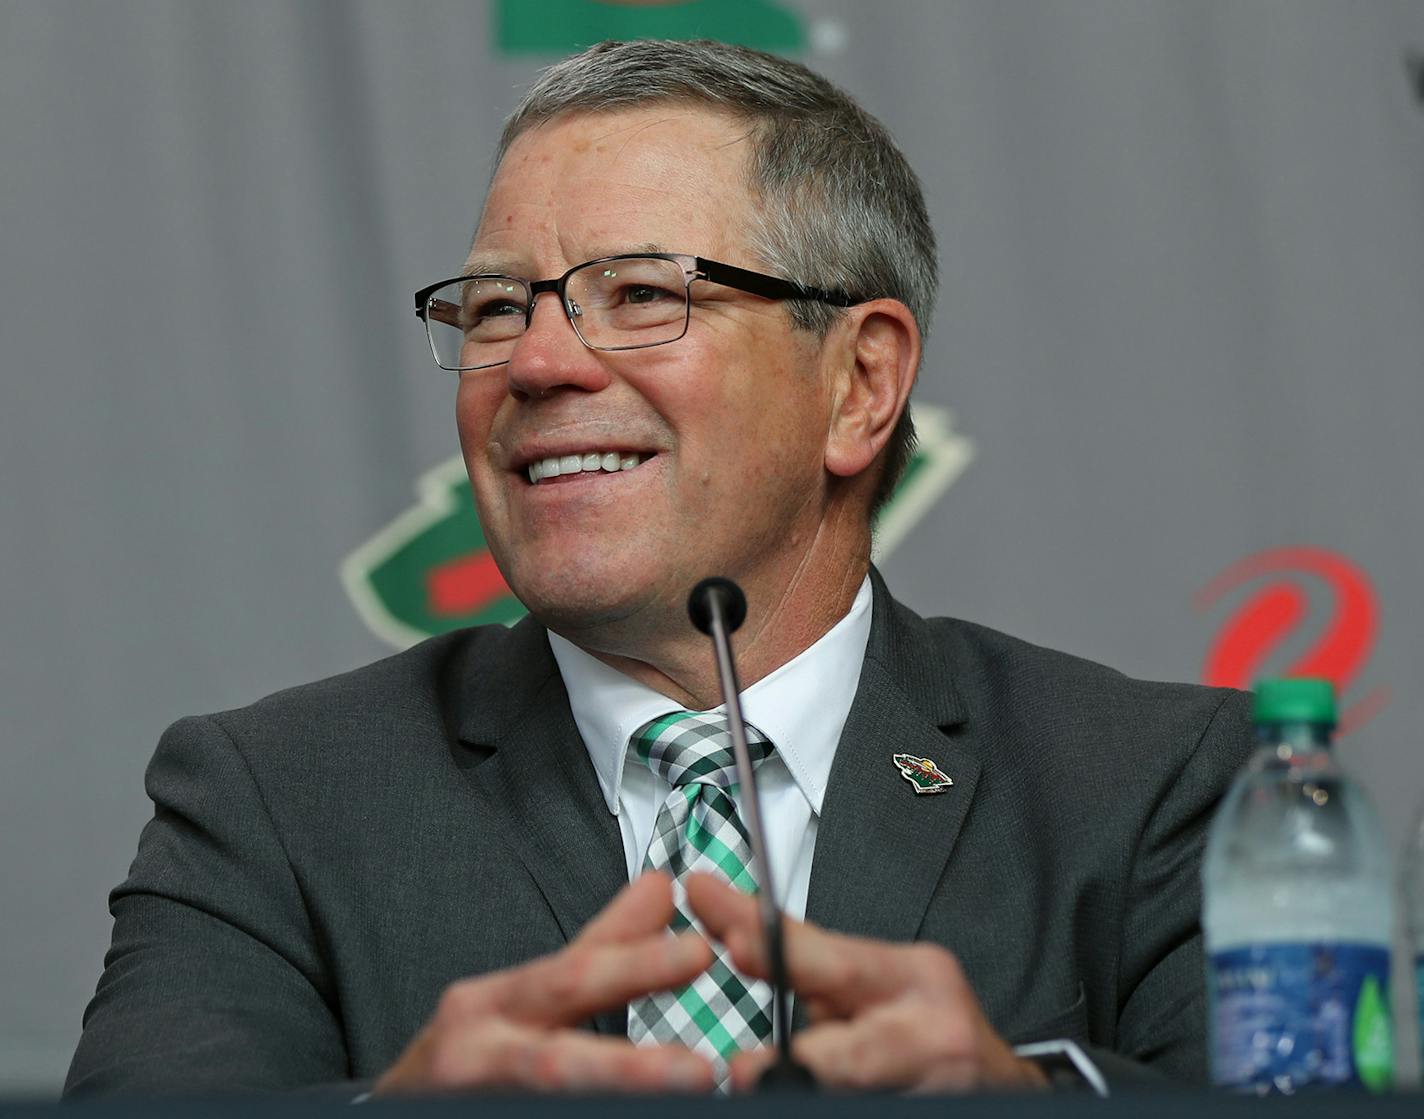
{"x": 1279, "y": 607}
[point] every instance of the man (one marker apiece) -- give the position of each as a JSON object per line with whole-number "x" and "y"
{"x": 686, "y": 334}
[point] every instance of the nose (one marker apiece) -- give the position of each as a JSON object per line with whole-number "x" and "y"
{"x": 550, "y": 356}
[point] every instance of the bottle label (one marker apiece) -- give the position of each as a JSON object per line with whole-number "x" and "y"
{"x": 1292, "y": 1017}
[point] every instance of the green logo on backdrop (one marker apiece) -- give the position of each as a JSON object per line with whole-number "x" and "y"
{"x": 565, "y": 26}
{"x": 430, "y": 571}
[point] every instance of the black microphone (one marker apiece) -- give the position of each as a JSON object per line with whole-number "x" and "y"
{"x": 717, "y": 607}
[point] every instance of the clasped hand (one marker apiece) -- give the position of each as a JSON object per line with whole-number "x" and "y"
{"x": 883, "y": 1016}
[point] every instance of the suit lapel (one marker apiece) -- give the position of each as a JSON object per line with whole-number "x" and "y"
{"x": 881, "y": 848}
{"x": 535, "y": 779}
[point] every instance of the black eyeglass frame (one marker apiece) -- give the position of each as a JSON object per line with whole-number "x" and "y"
{"x": 693, "y": 267}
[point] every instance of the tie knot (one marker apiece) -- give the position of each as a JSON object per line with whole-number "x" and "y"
{"x": 694, "y": 748}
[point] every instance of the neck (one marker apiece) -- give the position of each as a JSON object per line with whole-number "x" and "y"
{"x": 789, "y": 608}
{"x": 687, "y": 674}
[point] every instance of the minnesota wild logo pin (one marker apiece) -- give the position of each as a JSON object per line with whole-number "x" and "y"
{"x": 922, "y": 774}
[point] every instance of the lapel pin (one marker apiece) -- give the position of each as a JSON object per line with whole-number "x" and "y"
{"x": 922, "y": 774}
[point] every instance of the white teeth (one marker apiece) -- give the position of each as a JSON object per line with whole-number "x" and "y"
{"x": 607, "y": 461}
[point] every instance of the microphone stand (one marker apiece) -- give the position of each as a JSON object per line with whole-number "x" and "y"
{"x": 718, "y": 607}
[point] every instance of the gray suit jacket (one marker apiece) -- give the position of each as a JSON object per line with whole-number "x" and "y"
{"x": 321, "y": 864}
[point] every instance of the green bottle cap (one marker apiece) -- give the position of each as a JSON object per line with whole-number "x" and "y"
{"x": 1300, "y": 700}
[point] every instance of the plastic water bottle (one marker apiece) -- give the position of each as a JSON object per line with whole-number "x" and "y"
{"x": 1412, "y": 889}
{"x": 1297, "y": 912}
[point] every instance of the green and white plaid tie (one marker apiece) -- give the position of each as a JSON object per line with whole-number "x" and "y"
{"x": 698, "y": 829}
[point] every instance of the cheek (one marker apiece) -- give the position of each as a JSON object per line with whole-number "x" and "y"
{"x": 741, "y": 378}
{"x": 777, "y": 413}
{"x": 476, "y": 407}
{"x": 476, "y": 401}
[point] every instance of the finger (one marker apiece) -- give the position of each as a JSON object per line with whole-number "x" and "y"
{"x": 721, "y": 906}
{"x": 582, "y": 979}
{"x": 734, "y": 918}
{"x": 503, "y": 1054}
{"x": 746, "y": 1068}
{"x": 642, "y": 907}
{"x": 885, "y": 1048}
{"x": 844, "y": 975}
{"x": 841, "y": 974}
{"x": 571, "y": 1061}
{"x": 836, "y": 1054}
{"x": 910, "y": 1045}
{"x": 871, "y": 1053}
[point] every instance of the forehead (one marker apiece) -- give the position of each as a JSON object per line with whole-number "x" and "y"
{"x": 585, "y": 185}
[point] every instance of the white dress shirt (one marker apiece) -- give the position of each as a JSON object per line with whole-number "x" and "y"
{"x": 802, "y": 707}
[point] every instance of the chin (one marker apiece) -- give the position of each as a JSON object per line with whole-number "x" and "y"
{"x": 574, "y": 601}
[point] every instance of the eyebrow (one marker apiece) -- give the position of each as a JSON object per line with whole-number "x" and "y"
{"x": 498, "y": 265}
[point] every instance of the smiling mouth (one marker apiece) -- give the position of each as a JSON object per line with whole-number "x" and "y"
{"x": 545, "y": 470}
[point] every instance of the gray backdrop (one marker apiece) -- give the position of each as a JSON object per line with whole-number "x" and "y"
{"x": 1182, "y": 323}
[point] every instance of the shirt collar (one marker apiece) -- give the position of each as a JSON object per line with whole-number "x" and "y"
{"x": 801, "y": 706}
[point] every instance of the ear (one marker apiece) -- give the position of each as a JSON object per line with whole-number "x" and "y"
{"x": 876, "y": 356}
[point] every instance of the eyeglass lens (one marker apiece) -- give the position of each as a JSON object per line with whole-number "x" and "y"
{"x": 613, "y": 305}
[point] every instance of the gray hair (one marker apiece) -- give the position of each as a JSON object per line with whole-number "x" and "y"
{"x": 841, "y": 207}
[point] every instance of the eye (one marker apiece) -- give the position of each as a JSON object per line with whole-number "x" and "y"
{"x": 489, "y": 302}
{"x": 630, "y": 294}
{"x": 493, "y": 309}
{"x": 646, "y": 293}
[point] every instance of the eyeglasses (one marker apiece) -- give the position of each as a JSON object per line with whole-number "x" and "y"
{"x": 626, "y": 302}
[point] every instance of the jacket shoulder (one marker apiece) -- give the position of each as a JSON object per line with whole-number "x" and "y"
{"x": 1052, "y": 704}
{"x": 408, "y": 696}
